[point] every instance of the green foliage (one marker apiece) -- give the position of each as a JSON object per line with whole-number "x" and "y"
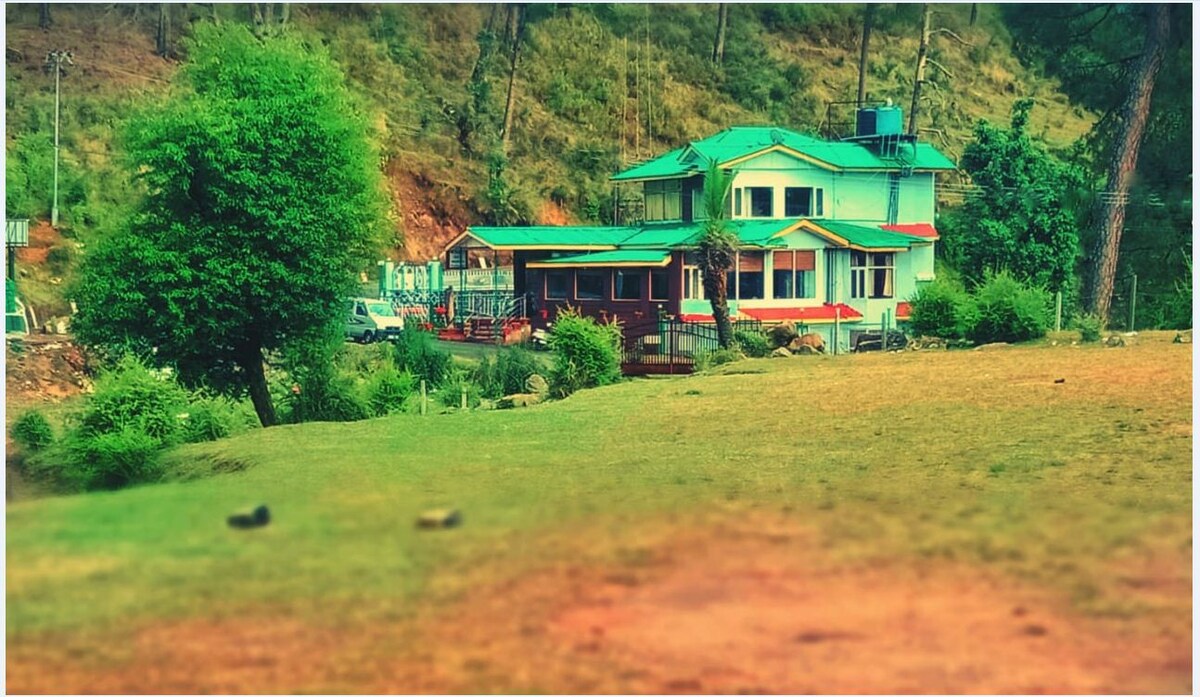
{"x": 263, "y": 201}
{"x": 388, "y": 389}
{"x": 450, "y": 393}
{"x": 109, "y": 460}
{"x": 711, "y": 359}
{"x": 753, "y": 344}
{"x": 325, "y": 395}
{"x": 942, "y": 308}
{"x": 507, "y": 373}
{"x": 1025, "y": 219}
{"x": 1090, "y": 327}
{"x": 212, "y": 417}
{"x": 32, "y": 431}
{"x": 586, "y": 354}
{"x": 59, "y": 259}
{"x": 717, "y": 247}
{"x": 132, "y": 397}
{"x": 1007, "y": 310}
{"x": 416, "y": 353}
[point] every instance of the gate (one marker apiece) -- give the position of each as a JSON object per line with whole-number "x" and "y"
{"x": 669, "y": 346}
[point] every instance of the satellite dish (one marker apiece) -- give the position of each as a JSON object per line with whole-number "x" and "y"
{"x": 777, "y": 136}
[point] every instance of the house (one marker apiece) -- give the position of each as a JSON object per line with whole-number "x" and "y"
{"x": 831, "y": 233}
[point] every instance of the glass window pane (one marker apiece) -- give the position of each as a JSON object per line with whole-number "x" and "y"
{"x": 750, "y": 285}
{"x": 797, "y": 202}
{"x": 820, "y": 212}
{"x": 760, "y": 201}
{"x": 858, "y": 259}
{"x": 673, "y": 204}
{"x": 589, "y": 285}
{"x": 783, "y": 280}
{"x": 737, "y": 201}
{"x": 731, "y": 285}
{"x": 556, "y": 285}
{"x": 658, "y": 284}
{"x": 627, "y": 285}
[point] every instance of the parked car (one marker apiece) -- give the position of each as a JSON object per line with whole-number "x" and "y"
{"x": 370, "y": 320}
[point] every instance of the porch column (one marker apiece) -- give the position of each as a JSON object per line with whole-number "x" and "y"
{"x": 768, "y": 274}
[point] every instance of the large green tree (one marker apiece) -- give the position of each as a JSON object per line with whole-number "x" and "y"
{"x": 717, "y": 248}
{"x": 1024, "y": 218}
{"x": 263, "y": 202}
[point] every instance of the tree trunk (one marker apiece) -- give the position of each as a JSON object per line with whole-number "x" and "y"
{"x": 974, "y": 12}
{"x": 162, "y": 44}
{"x": 715, "y": 287}
{"x": 1135, "y": 111}
{"x": 868, "y": 20}
{"x": 515, "y": 29}
{"x": 718, "y": 54}
{"x": 921, "y": 55}
{"x": 44, "y": 20}
{"x": 251, "y": 361}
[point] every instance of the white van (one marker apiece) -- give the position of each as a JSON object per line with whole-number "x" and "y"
{"x": 370, "y": 320}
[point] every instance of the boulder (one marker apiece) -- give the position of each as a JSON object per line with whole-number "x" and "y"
{"x": 992, "y": 346}
{"x": 1117, "y": 341}
{"x": 1183, "y": 337}
{"x": 250, "y": 518}
{"x": 806, "y": 350}
{"x": 439, "y": 518}
{"x": 536, "y": 384}
{"x": 781, "y": 352}
{"x": 812, "y": 341}
{"x": 783, "y": 333}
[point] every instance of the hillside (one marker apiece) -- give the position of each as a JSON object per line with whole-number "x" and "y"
{"x": 596, "y": 87}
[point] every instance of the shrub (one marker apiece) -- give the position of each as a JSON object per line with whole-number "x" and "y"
{"x": 325, "y": 395}
{"x": 507, "y": 373}
{"x": 213, "y": 417}
{"x": 1090, "y": 326}
{"x": 32, "y": 431}
{"x": 416, "y": 353}
{"x": 711, "y": 359}
{"x": 753, "y": 344}
{"x": 112, "y": 460}
{"x": 131, "y": 396}
{"x": 450, "y": 393}
{"x": 1007, "y": 310}
{"x": 59, "y": 259}
{"x": 941, "y": 308}
{"x": 388, "y": 389}
{"x": 586, "y": 354}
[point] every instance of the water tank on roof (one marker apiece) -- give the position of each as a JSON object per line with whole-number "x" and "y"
{"x": 888, "y": 120}
{"x": 865, "y": 123}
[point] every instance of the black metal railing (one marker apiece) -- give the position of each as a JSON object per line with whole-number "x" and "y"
{"x": 670, "y": 345}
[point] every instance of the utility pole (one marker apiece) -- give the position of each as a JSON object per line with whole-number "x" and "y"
{"x": 54, "y": 61}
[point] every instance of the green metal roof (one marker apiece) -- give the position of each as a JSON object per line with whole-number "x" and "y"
{"x": 551, "y": 236}
{"x": 869, "y": 237}
{"x": 620, "y": 256}
{"x": 740, "y": 141}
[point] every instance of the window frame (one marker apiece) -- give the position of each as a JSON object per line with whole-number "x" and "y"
{"x": 863, "y": 274}
{"x": 666, "y": 284}
{"x": 660, "y": 191}
{"x": 816, "y": 202}
{"x": 546, "y": 284}
{"x": 627, "y": 274}
{"x": 590, "y": 272}
{"x": 770, "y": 201}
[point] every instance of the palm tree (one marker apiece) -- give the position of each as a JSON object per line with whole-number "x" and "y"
{"x": 717, "y": 246}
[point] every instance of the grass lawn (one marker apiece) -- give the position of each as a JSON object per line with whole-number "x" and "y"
{"x": 882, "y": 471}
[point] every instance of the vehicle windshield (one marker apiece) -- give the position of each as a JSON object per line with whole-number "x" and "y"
{"x": 380, "y": 309}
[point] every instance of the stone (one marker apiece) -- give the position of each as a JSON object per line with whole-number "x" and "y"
{"x": 536, "y": 384}
{"x": 516, "y": 401}
{"x": 439, "y": 518}
{"x": 781, "y": 352}
{"x": 782, "y": 333}
{"x": 992, "y": 346}
{"x": 486, "y": 405}
{"x": 1183, "y": 337}
{"x": 257, "y": 517}
{"x": 806, "y": 350}
{"x": 1114, "y": 341}
{"x": 813, "y": 341}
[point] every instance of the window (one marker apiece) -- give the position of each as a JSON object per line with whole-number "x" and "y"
{"x": 556, "y": 285}
{"x": 873, "y": 279}
{"x": 589, "y": 285}
{"x": 760, "y": 201}
{"x": 664, "y": 200}
{"x": 658, "y": 284}
{"x": 803, "y": 202}
{"x": 693, "y": 283}
{"x": 750, "y": 276}
{"x": 795, "y": 274}
{"x": 627, "y": 285}
{"x": 737, "y": 201}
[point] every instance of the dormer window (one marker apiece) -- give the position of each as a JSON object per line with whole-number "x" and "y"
{"x": 664, "y": 200}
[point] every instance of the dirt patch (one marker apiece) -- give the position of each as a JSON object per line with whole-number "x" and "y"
{"x": 432, "y": 215}
{"x": 717, "y": 612}
{"x": 46, "y": 369}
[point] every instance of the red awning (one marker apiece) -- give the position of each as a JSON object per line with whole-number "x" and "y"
{"x": 696, "y": 318}
{"x": 924, "y": 230}
{"x": 903, "y": 310}
{"x": 820, "y": 313}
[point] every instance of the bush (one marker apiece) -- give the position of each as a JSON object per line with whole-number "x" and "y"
{"x": 1089, "y": 327}
{"x": 213, "y": 417}
{"x": 32, "y": 431}
{"x": 1006, "y": 310}
{"x": 586, "y": 354}
{"x": 59, "y": 259}
{"x": 753, "y": 344}
{"x": 450, "y": 393}
{"x": 324, "y": 395}
{"x": 507, "y": 373}
{"x": 943, "y": 309}
{"x": 131, "y": 396}
{"x": 112, "y": 460}
{"x": 388, "y": 389}
{"x": 711, "y": 359}
{"x": 416, "y": 353}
